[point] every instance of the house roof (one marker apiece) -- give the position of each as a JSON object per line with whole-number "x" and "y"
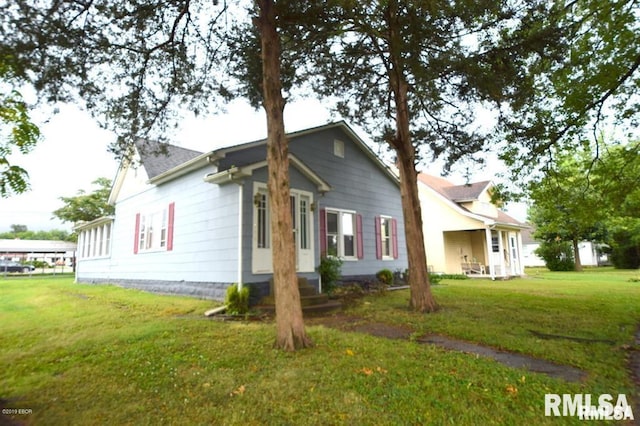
{"x": 158, "y": 158}
{"x": 36, "y": 246}
{"x": 164, "y": 162}
{"x": 527, "y": 235}
{"x": 457, "y": 194}
{"x": 222, "y": 152}
{"x": 466, "y": 192}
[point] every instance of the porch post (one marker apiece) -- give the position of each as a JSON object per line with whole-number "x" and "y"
{"x": 489, "y": 251}
{"x": 503, "y": 270}
{"x": 520, "y": 259}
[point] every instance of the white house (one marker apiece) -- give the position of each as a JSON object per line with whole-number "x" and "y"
{"x": 591, "y": 254}
{"x": 465, "y": 232}
{"x": 193, "y": 223}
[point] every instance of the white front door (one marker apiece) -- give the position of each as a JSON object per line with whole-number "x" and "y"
{"x": 302, "y": 230}
{"x": 302, "y": 218}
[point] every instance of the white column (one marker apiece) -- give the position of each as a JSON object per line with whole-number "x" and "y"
{"x": 492, "y": 269}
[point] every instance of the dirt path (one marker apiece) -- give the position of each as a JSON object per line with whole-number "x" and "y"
{"x": 359, "y": 325}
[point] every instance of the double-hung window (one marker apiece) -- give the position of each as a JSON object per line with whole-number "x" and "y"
{"x": 342, "y": 234}
{"x": 386, "y": 237}
{"x": 154, "y": 230}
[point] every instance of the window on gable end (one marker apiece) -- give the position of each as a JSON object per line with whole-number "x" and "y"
{"x": 338, "y": 148}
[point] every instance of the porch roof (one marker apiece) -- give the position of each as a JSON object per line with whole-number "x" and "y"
{"x": 235, "y": 174}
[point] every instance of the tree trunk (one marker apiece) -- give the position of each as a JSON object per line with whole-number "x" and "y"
{"x": 290, "y": 331}
{"x": 421, "y": 299}
{"x": 576, "y": 256}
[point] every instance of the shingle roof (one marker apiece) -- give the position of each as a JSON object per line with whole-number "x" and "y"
{"x": 157, "y": 157}
{"x": 469, "y": 191}
{"x": 461, "y": 193}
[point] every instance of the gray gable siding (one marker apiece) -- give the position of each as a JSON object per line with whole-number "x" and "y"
{"x": 357, "y": 184}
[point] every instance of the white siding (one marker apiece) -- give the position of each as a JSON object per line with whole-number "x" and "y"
{"x": 204, "y": 236}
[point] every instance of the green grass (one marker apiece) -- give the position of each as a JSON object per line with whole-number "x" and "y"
{"x": 79, "y": 354}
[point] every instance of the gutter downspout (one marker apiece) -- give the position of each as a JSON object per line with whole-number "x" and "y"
{"x": 319, "y": 245}
{"x": 240, "y": 211}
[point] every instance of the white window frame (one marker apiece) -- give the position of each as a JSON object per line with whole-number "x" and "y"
{"x": 340, "y": 233}
{"x": 386, "y": 237}
{"x": 338, "y": 148}
{"x": 95, "y": 242}
{"x": 152, "y": 235}
{"x": 261, "y": 258}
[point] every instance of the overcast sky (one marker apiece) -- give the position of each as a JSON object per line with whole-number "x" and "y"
{"x": 73, "y": 153}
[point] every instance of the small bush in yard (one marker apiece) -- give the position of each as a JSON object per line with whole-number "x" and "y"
{"x": 237, "y": 300}
{"x": 385, "y": 276}
{"x": 330, "y": 270}
{"x": 557, "y": 255}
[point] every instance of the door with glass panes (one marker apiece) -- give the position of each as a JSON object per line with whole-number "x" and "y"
{"x": 302, "y": 221}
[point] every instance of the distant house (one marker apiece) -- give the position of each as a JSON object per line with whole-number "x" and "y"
{"x": 193, "y": 223}
{"x": 49, "y": 251}
{"x": 465, "y": 233}
{"x": 591, "y": 254}
{"x": 529, "y": 246}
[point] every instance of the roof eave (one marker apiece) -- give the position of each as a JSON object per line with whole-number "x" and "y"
{"x": 101, "y": 220}
{"x": 194, "y": 164}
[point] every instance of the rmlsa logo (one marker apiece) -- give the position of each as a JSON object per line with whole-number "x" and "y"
{"x": 581, "y": 406}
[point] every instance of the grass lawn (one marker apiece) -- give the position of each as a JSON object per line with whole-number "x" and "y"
{"x": 80, "y": 354}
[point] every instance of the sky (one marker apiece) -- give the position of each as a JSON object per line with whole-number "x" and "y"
{"x": 73, "y": 153}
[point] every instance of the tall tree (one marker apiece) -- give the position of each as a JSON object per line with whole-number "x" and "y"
{"x": 85, "y": 207}
{"x": 419, "y": 71}
{"x": 617, "y": 177}
{"x": 566, "y": 205}
{"x": 577, "y": 94}
{"x": 291, "y": 334}
{"x": 138, "y": 65}
{"x": 16, "y": 131}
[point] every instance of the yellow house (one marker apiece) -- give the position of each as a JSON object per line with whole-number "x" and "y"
{"x": 466, "y": 233}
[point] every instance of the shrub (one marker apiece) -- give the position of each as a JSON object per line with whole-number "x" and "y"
{"x": 237, "y": 300}
{"x": 330, "y": 270}
{"x": 625, "y": 252}
{"x": 557, "y": 255}
{"x": 385, "y": 276}
{"x": 348, "y": 294}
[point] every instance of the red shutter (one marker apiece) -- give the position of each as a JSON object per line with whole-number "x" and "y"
{"x": 394, "y": 237}
{"x": 359, "y": 245}
{"x": 172, "y": 208}
{"x": 378, "y": 238}
{"x": 323, "y": 232}
{"x": 136, "y": 234}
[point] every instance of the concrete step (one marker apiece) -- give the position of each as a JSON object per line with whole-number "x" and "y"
{"x": 316, "y": 299}
{"x": 307, "y": 291}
